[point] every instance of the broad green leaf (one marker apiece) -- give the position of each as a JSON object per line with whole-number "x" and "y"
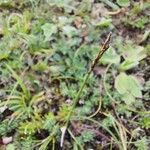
{"x": 135, "y": 53}
{"x": 123, "y": 3}
{"x": 128, "y": 87}
{"x": 110, "y": 57}
{"x": 121, "y": 83}
{"x": 48, "y": 29}
{"x": 135, "y": 86}
{"x": 128, "y": 64}
{"x": 132, "y": 55}
{"x": 69, "y": 30}
{"x": 128, "y": 99}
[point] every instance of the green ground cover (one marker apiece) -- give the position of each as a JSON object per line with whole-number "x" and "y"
{"x": 46, "y": 50}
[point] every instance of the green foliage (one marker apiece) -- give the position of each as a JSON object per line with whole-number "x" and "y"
{"x": 20, "y": 82}
{"x": 136, "y": 8}
{"x": 123, "y": 3}
{"x": 87, "y": 136}
{"x": 105, "y": 22}
{"x": 48, "y": 30}
{"x": 110, "y": 57}
{"x": 63, "y": 113}
{"x": 108, "y": 121}
{"x": 29, "y": 128}
{"x": 26, "y": 143}
{"x": 49, "y": 122}
{"x": 137, "y": 23}
{"x": 69, "y": 31}
{"x": 7, "y": 48}
{"x": 7, "y": 126}
{"x": 6, "y": 3}
{"x": 135, "y": 19}
{"x": 132, "y": 55}
{"x": 61, "y": 3}
{"x": 68, "y": 90}
{"x": 145, "y": 122}
{"x": 46, "y": 50}
{"x": 129, "y": 87}
{"x": 40, "y": 66}
{"x": 142, "y": 144}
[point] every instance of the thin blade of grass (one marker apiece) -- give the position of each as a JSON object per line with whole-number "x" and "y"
{"x": 20, "y": 82}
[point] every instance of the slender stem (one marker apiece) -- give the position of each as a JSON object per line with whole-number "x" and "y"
{"x": 77, "y": 98}
{"x": 104, "y": 47}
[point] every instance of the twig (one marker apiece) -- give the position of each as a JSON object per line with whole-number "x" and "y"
{"x": 118, "y": 11}
{"x": 102, "y": 50}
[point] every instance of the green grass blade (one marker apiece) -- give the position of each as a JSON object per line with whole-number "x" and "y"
{"x": 20, "y": 82}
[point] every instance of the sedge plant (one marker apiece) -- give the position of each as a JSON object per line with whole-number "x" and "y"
{"x": 102, "y": 50}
